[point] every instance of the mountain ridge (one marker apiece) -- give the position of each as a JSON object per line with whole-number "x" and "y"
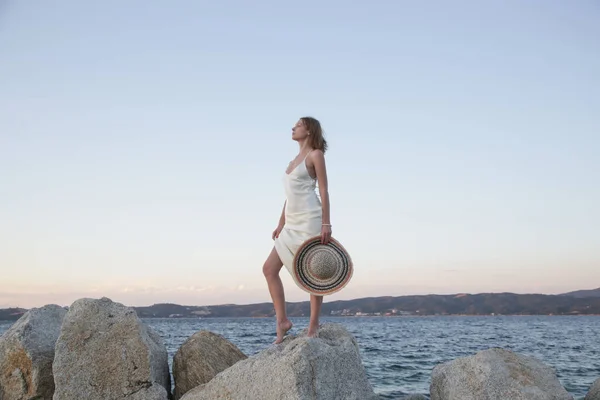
{"x": 586, "y": 293}
{"x": 582, "y": 302}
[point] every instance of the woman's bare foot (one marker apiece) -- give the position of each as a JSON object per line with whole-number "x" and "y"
{"x": 313, "y": 330}
{"x": 282, "y": 328}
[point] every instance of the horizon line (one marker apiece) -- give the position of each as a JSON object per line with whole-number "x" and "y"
{"x": 306, "y": 301}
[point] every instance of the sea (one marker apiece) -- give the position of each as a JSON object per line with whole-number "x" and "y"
{"x": 399, "y": 353}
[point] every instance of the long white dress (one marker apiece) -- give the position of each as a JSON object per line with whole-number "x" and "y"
{"x": 303, "y": 214}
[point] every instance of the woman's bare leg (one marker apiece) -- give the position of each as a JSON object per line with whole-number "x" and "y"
{"x": 271, "y": 271}
{"x": 315, "y": 310}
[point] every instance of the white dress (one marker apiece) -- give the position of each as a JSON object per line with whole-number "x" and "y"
{"x": 303, "y": 214}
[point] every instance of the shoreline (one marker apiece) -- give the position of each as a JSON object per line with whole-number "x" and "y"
{"x": 424, "y": 306}
{"x": 369, "y": 316}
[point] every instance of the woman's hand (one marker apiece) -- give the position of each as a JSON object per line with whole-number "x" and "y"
{"x": 325, "y": 234}
{"x": 277, "y": 231}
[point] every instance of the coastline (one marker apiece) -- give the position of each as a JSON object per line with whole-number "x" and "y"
{"x": 457, "y": 305}
{"x": 359, "y": 316}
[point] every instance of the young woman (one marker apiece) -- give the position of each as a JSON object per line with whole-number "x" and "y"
{"x": 304, "y": 215}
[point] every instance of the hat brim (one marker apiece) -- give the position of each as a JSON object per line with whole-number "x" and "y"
{"x": 313, "y": 285}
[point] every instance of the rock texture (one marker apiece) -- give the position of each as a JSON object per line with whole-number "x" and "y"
{"x": 27, "y": 352}
{"x": 594, "y": 392}
{"x": 496, "y": 374}
{"x": 105, "y": 352}
{"x": 201, "y": 358}
{"x": 324, "y": 368}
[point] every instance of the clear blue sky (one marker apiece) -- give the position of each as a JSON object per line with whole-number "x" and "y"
{"x": 142, "y": 145}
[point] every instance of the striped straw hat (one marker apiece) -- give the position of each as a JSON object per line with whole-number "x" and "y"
{"x": 322, "y": 269}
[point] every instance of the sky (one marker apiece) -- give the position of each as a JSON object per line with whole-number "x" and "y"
{"x": 143, "y": 145}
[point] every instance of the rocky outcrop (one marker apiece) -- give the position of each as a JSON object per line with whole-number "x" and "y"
{"x": 496, "y": 374}
{"x": 27, "y": 352}
{"x": 200, "y": 358}
{"x": 105, "y": 352}
{"x": 327, "y": 368}
{"x": 594, "y": 392}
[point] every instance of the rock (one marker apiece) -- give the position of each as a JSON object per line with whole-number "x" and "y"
{"x": 154, "y": 392}
{"x": 327, "y": 368}
{"x": 26, "y": 354}
{"x": 200, "y": 358}
{"x": 106, "y": 352}
{"x": 594, "y": 392}
{"x": 496, "y": 374}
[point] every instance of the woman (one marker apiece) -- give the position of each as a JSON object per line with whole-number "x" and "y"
{"x": 303, "y": 216}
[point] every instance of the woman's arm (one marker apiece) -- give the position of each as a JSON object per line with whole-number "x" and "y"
{"x": 318, "y": 159}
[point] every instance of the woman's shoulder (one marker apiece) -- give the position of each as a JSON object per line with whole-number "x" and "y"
{"x": 315, "y": 157}
{"x": 316, "y": 153}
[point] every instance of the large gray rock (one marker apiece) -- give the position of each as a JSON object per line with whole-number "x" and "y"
{"x": 106, "y": 352}
{"x": 594, "y": 392}
{"x": 496, "y": 374}
{"x": 27, "y": 352}
{"x": 202, "y": 356}
{"x": 324, "y": 368}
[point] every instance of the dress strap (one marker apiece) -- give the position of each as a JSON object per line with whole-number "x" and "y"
{"x": 305, "y": 167}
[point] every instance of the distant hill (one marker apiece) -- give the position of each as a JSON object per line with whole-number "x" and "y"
{"x": 582, "y": 294}
{"x": 457, "y": 304}
{"x": 11, "y": 314}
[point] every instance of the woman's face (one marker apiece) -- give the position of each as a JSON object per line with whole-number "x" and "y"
{"x": 299, "y": 131}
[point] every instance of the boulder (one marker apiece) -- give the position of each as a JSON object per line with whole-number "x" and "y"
{"x": 26, "y": 354}
{"x": 594, "y": 392}
{"x": 202, "y": 356}
{"x": 325, "y": 368}
{"x": 106, "y": 352}
{"x": 496, "y": 374}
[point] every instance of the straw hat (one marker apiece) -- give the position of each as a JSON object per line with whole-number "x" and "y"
{"x": 322, "y": 269}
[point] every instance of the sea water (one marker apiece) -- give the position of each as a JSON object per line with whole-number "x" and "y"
{"x": 399, "y": 353}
